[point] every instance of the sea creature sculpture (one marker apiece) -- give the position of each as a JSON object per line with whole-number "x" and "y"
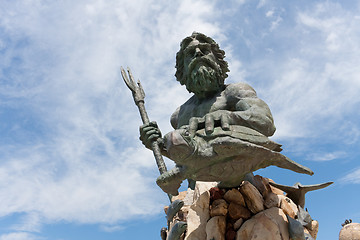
{"x": 346, "y": 222}
{"x": 224, "y": 156}
{"x": 163, "y": 233}
{"x": 296, "y": 230}
{"x": 174, "y": 207}
{"x": 177, "y": 230}
{"x": 308, "y": 236}
{"x": 222, "y": 131}
{"x": 298, "y": 191}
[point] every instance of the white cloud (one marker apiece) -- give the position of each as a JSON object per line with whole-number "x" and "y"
{"x": 275, "y": 23}
{"x": 326, "y": 156}
{"x": 337, "y": 26}
{"x": 19, "y": 236}
{"x": 318, "y": 85}
{"x": 87, "y": 164}
{"x": 83, "y": 188}
{"x": 112, "y": 228}
{"x": 261, "y": 3}
{"x": 269, "y": 13}
{"x": 274, "y": 15}
{"x": 352, "y": 177}
{"x": 31, "y": 222}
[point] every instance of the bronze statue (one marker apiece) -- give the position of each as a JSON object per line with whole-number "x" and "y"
{"x": 221, "y": 133}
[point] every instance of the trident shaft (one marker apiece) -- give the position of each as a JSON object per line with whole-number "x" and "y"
{"x": 139, "y": 95}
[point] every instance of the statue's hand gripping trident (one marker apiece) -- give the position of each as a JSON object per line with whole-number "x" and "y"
{"x": 139, "y": 96}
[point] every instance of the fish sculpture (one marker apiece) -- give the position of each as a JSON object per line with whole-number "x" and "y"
{"x": 177, "y": 230}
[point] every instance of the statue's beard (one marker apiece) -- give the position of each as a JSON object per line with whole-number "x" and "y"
{"x": 204, "y": 80}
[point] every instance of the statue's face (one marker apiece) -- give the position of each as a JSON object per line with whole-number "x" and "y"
{"x": 201, "y": 69}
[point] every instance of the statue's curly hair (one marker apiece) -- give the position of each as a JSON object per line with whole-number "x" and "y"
{"x": 218, "y": 53}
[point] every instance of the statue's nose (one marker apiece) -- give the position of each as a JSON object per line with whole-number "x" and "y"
{"x": 198, "y": 52}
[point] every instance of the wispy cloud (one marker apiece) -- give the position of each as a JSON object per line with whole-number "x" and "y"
{"x": 326, "y": 156}
{"x": 72, "y": 152}
{"x": 261, "y": 3}
{"x": 19, "y": 236}
{"x": 275, "y": 18}
{"x": 352, "y": 177}
{"x": 112, "y": 228}
{"x": 31, "y": 222}
{"x": 317, "y": 85}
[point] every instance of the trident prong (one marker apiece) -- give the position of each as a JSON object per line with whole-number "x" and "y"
{"x": 139, "y": 96}
{"x": 129, "y": 84}
{"x": 136, "y": 89}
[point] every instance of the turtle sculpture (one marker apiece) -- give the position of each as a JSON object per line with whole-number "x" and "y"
{"x": 224, "y": 156}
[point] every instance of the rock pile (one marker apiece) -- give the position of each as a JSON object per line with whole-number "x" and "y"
{"x": 253, "y": 210}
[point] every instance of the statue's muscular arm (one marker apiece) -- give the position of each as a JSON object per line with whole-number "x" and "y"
{"x": 248, "y": 110}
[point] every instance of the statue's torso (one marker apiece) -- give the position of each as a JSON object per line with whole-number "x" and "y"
{"x": 223, "y": 100}
{"x": 196, "y": 108}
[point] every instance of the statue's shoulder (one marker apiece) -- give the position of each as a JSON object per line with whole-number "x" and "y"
{"x": 174, "y": 118}
{"x": 180, "y": 111}
{"x": 240, "y": 89}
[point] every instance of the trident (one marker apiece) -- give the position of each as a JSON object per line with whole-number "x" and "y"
{"x": 139, "y": 95}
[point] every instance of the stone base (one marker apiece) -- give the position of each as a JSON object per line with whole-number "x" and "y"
{"x": 253, "y": 210}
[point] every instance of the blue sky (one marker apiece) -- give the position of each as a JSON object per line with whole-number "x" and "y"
{"x": 71, "y": 164}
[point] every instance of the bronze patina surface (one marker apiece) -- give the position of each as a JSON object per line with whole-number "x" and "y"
{"x": 220, "y": 133}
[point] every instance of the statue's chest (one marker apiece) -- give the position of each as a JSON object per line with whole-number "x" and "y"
{"x": 199, "y": 109}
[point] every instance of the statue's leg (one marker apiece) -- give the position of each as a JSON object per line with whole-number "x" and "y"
{"x": 170, "y": 181}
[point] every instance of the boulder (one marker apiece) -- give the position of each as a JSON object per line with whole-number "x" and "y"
{"x": 234, "y": 196}
{"x": 199, "y": 212}
{"x": 180, "y": 196}
{"x": 219, "y": 208}
{"x": 270, "y": 224}
{"x": 272, "y": 200}
{"x": 216, "y": 193}
{"x": 237, "y": 211}
{"x": 253, "y": 198}
{"x": 262, "y": 184}
{"x": 288, "y": 206}
{"x": 230, "y": 235}
{"x": 313, "y": 230}
{"x": 260, "y": 227}
{"x": 279, "y": 217}
{"x": 189, "y": 198}
{"x": 350, "y": 231}
{"x": 215, "y": 228}
{"x": 274, "y": 189}
{"x": 238, "y": 223}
